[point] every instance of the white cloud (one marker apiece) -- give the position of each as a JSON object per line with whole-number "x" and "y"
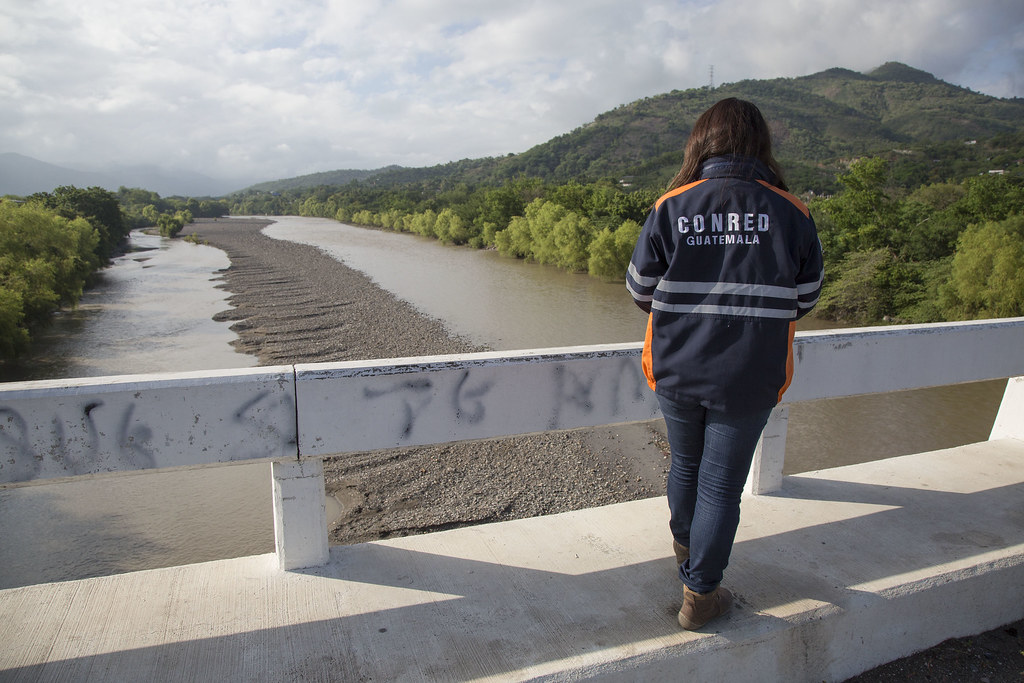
{"x": 266, "y": 89}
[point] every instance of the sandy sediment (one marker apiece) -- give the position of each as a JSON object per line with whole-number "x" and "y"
{"x": 292, "y": 303}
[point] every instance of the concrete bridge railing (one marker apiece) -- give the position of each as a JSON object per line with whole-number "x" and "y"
{"x": 293, "y": 416}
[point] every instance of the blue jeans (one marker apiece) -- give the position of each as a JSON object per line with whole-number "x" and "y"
{"x": 711, "y": 455}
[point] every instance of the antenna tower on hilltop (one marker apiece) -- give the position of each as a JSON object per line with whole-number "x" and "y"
{"x": 711, "y": 77}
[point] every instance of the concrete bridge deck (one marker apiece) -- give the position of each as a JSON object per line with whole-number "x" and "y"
{"x": 839, "y": 571}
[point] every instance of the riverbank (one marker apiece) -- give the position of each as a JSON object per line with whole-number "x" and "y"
{"x": 292, "y": 304}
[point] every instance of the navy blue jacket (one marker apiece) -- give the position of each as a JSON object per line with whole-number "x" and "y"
{"x": 725, "y": 266}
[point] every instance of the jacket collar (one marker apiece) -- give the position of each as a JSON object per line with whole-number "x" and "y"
{"x": 735, "y": 166}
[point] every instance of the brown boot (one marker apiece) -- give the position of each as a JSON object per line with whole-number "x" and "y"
{"x": 700, "y": 608}
{"x": 682, "y": 552}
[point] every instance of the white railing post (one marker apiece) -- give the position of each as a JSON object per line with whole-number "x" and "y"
{"x": 1009, "y": 422}
{"x": 770, "y": 454}
{"x": 300, "y": 513}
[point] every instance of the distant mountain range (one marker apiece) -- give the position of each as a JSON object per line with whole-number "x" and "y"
{"x": 22, "y": 175}
{"x": 818, "y": 122}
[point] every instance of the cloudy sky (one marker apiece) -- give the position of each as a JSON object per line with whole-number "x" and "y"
{"x": 266, "y": 89}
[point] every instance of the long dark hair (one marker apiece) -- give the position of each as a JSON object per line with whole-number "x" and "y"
{"x": 730, "y": 126}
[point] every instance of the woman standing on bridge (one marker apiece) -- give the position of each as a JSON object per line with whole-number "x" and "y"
{"x": 726, "y": 262}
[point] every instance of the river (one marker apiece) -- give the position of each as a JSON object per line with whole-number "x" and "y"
{"x": 508, "y": 304}
{"x": 152, "y": 311}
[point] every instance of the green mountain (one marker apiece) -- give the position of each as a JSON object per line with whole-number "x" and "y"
{"x": 818, "y": 122}
{"x": 339, "y": 177}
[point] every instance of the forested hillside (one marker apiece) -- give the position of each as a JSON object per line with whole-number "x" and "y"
{"x": 820, "y": 122}
{"x": 917, "y": 187}
{"x": 339, "y": 177}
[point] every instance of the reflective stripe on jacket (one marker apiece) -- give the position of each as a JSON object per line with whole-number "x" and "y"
{"x": 725, "y": 266}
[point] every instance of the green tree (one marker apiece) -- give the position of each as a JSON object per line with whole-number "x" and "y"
{"x": 542, "y": 216}
{"x": 869, "y": 286}
{"x": 210, "y": 208}
{"x": 864, "y": 216}
{"x": 150, "y": 214}
{"x": 45, "y": 260}
{"x": 461, "y": 231}
{"x": 450, "y": 227}
{"x": 931, "y": 229}
{"x": 572, "y": 236}
{"x": 992, "y": 197}
{"x": 611, "y": 251}
{"x": 573, "y": 196}
{"x": 924, "y": 304}
{"x": 423, "y": 223}
{"x": 30, "y": 234}
{"x": 603, "y": 261}
{"x": 987, "y": 279}
{"x": 500, "y": 204}
{"x": 515, "y": 240}
{"x": 169, "y": 225}
{"x": 97, "y": 205}
{"x": 14, "y": 335}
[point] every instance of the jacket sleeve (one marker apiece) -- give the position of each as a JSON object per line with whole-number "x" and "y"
{"x": 647, "y": 265}
{"x": 811, "y": 274}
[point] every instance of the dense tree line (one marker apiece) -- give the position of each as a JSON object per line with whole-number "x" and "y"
{"x": 50, "y": 244}
{"x": 587, "y": 228}
{"x": 99, "y": 207}
{"x": 894, "y": 252}
{"x": 944, "y": 251}
{"x": 170, "y": 215}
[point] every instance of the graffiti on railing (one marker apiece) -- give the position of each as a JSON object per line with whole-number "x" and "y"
{"x": 475, "y": 397}
{"x": 76, "y": 445}
{"x": 576, "y": 390}
{"x": 421, "y": 391}
{"x": 62, "y": 433}
{"x": 464, "y": 394}
{"x": 416, "y": 396}
{"x": 18, "y": 452}
{"x": 97, "y": 435}
{"x": 279, "y": 431}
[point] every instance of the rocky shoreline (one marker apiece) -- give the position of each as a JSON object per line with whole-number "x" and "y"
{"x": 294, "y": 304}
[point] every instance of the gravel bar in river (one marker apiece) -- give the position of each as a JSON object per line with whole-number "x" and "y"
{"x": 292, "y": 303}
